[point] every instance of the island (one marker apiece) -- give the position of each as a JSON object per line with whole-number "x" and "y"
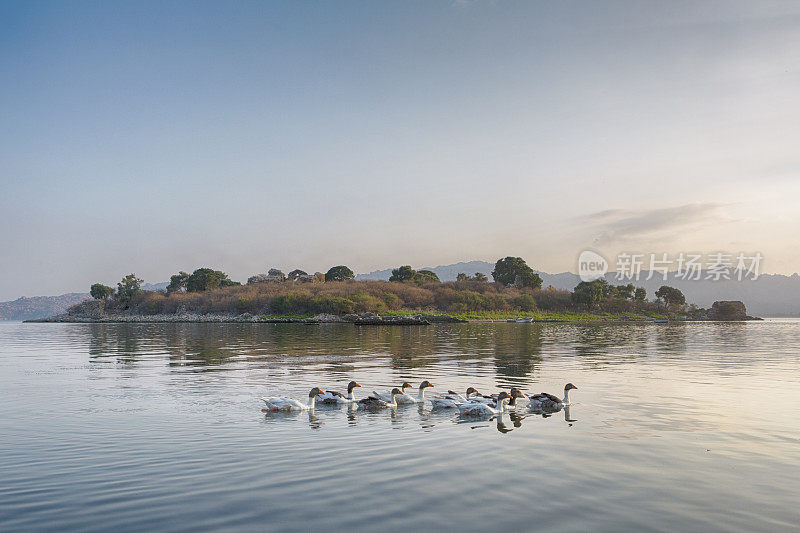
{"x": 409, "y": 297}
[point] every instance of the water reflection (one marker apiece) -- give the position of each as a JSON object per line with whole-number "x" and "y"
{"x": 421, "y": 415}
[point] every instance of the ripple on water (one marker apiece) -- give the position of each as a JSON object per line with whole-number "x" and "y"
{"x": 135, "y": 426}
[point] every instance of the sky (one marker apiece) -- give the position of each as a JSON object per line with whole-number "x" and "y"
{"x": 153, "y": 137}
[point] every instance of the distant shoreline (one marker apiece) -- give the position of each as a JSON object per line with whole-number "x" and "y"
{"x": 363, "y": 319}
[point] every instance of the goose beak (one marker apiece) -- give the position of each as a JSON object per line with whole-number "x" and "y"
{"x": 357, "y": 385}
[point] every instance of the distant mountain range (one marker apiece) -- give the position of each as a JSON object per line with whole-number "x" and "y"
{"x": 773, "y": 295}
{"x": 45, "y": 306}
{"x": 39, "y": 306}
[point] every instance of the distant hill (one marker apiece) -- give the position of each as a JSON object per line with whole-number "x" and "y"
{"x": 39, "y": 306}
{"x": 155, "y": 286}
{"x": 770, "y": 295}
{"x": 47, "y": 306}
{"x": 445, "y": 272}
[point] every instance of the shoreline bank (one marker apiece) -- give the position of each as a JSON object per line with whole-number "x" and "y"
{"x": 366, "y": 319}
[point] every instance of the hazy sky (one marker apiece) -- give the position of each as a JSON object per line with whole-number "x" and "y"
{"x": 157, "y": 137}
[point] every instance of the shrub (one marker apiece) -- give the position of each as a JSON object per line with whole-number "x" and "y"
{"x": 332, "y": 304}
{"x": 292, "y": 302}
{"x": 524, "y": 302}
{"x": 552, "y": 299}
{"x": 101, "y": 292}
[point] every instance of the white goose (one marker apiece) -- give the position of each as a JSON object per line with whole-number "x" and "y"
{"x": 284, "y": 403}
{"x": 387, "y": 396}
{"x": 373, "y": 402}
{"x": 549, "y": 402}
{"x": 407, "y": 399}
{"x": 452, "y": 399}
{"x": 482, "y": 409}
{"x": 337, "y": 398}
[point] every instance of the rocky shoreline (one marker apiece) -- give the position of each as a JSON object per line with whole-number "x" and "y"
{"x": 364, "y": 319}
{"x": 93, "y": 311}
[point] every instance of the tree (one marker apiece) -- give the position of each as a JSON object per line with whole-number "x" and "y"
{"x": 177, "y": 283}
{"x": 425, "y": 276}
{"x": 101, "y": 292}
{"x": 514, "y": 271}
{"x": 339, "y": 273}
{"x": 274, "y": 272}
{"x": 480, "y": 276}
{"x": 589, "y": 293}
{"x": 206, "y": 279}
{"x": 462, "y": 277}
{"x": 625, "y": 291}
{"x": 296, "y": 273}
{"x": 403, "y": 273}
{"x": 671, "y": 296}
{"x": 640, "y": 294}
{"x": 129, "y": 287}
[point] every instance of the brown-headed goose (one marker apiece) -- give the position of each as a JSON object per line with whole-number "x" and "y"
{"x": 335, "y": 398}
{"x": 549, "y": 402}
{"x": 373, "y": 402}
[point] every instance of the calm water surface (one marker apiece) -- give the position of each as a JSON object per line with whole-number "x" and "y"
{"x": 684, "y": 427}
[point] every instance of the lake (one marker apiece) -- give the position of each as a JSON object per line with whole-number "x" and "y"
{"x": 128, "y": 427}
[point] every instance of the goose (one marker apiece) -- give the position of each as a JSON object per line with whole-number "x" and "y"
{"x": 336, "y": 398}
{"x": 482, "y": 409}
{"x": 452, "y": 399}
{"x": 372, "y": 402}
{"x": 491, "y": 400}
{"x": 406, "y": 399}
{"x": 550, "y": 402}
{"x": 515, "y": 395}
{"x": 284, "y": 403}
{"x": 387, "y": 396}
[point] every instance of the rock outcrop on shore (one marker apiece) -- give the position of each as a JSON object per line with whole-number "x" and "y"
{"x": 726, "y": 310}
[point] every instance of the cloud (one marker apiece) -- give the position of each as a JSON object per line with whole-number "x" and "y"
{"x": 619, "y": 225}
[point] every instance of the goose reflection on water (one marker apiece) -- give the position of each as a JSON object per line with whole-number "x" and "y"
{"x": 504, "y": 422}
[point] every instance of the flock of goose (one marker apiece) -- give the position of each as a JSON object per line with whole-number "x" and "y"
{"x": 473, "y": 403}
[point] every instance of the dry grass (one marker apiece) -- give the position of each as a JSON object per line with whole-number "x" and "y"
{"x": 459, "y": 297}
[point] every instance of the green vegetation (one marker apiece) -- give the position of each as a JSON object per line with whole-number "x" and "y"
{"x": 296, "y": 273}
{"x": 177, "y": 282}
{"x": 404, "y": 273}
{"x": 515, "y": 271}
{"x": 207, "y": 279}
{"x": 99, "y": 291}
{"x": 517, "y": 292}
{"x": 339, "y": 273}
{"x": 671, "y": 296}
{"x": 129, "y": 287}
{"x": 426, "y": 276}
